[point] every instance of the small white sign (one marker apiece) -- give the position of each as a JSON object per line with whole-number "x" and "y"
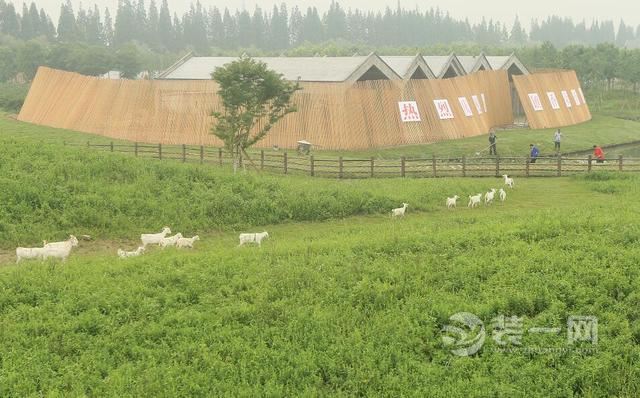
{"x": 444, "y": 109}
{"x": 553, "y": 100}
{"x": 535, "y": 102}
{"x": 476, "y": 102}
{"x": 466, "y": 108}
{"x": 565, "y": 97}
{"x": 409, "y": 111}
{"x": 484, "y": 102}
{"x": 584, "y": 101}
{"x": 575, "y": 97}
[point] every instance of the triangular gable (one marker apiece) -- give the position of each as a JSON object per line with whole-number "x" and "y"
{"x": 176, "y": 65}
{"x": 373, "y": 68}
{"x": 452, "y": 68}
{"x": 514, "y": 62}
{"x": 419, "y": 69}
{"x": 482, "y": 63}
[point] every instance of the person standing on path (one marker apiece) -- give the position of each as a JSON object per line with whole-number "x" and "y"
{"x": 535, "y": 152}
{"x": 492, "y": 144}
{"x": 557, "y": 137}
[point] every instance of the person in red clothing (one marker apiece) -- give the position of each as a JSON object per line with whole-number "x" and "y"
{"x": 598, "y": 153}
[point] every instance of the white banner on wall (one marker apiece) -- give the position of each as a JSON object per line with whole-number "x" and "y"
{"x": 444, "y": 109}
{"x": 584, "y": 101}
{"x": 535, "y": 102}
{"x": 466, "y": 108}
{"x": 575, "y": 97}
{"x": 553, "y": 100}
{"x": 409, "y": 111}
{"x": 565, "y": 97}
{"x": 484, "y": 102}
{"x": 476, "y": 102}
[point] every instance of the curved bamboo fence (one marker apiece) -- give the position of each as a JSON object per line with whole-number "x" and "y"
{"x": 571, "y": 106}
{"x": 332, "y": 115}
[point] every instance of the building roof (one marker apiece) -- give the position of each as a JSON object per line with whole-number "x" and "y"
{"x": 341, "y": 69}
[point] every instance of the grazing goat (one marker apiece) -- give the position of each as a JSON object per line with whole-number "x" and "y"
{"x": 135, "y": 253}
{"x": 154, "y": 239}
{"x": 170, "y": 241}
{"x": 253, "y": 238}
{"x": 399, "y": 212}
{"x": 451, "y": 202}
{"x": 187, "y": 242}
{"x": 474, "y": 201}
{"x": 488, "y": 197}
{"x": 508, "y": 181}
{"x": 23, "y": 253}
{"x": 60, "y": 250}
{"x": 503, "y": 195}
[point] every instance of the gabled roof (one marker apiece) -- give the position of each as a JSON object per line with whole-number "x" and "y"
{"x": 407, "y": 66}
{"x": 474, "y": 64}
{"x": 440, "y": 65}
{"x": 497, "y": 62}
{"x": 372, "y": 63}
{"x": 515, "y": 61}
{"x": 312, "y": 69}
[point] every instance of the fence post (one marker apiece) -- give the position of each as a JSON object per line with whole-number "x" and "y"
{"x": 201, "y": 154}
{"x": 340, "y": 167}
{"x": 497, "y": 166}
{"x": 311, "y": 166}
{"x": 372, "y": 166}
{"x": 220, "y": 156}
{"x": 590, "y": 161}
{"x": 111, "y": 146}
{"x": 559, "y": 165}
{"x": 184, "y": 153}
{"x": 464, "y": 166}
{"x": 262, "y": 159}
{"x": 620, "y": 163}
{"x": 160, "y": 151}
{"x": 526, "y": 166}
{"x": 135, "y": 148}
{"x": 402, "y": 166}
{"x": 285, "y": 162}
{"x": 434, "y": 166}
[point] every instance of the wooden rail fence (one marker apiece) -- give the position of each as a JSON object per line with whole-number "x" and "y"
{"x": 312, "y": 165}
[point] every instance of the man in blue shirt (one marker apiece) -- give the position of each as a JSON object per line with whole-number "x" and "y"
{"x": 534, "y": 153}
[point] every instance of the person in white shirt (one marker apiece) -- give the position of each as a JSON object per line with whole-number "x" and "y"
{"x": 557, "y": 137}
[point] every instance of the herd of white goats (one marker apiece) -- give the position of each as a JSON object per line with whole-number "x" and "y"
{"x": 62, "y": 250}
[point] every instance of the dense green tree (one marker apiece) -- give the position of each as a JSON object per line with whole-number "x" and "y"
{"x": 166, "y": 34}
{"x": 67, "y": 28}
{"x": 125, "y": 29}
{"x": 107, "y": 28}
{"x": 10, "y": 21}
{"x": 128, "y": 61}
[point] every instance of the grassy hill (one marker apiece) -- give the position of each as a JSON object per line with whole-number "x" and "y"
{"x": 341, "y": 300}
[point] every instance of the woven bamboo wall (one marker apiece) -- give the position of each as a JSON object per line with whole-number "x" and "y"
{"x": 556, "y": 82}
{"x": 333, "y": 115}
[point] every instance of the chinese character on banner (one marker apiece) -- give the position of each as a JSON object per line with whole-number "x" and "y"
{"x": 484, "y": 102}
{"x": 507, "y": 330}
{"x": 584, "y": 101}
{"x": 476, "y": 102}
{"x": 575, "y": 97}
{"x": 466, "y": 108}
{"x": 582, "y": 328}
{"x": 535, "y": 102}
{"x": 553, "y": 99}
{"x": 444, "y": 109}
{"x": 409, "y": 111}
{"x": 565, "y": 97}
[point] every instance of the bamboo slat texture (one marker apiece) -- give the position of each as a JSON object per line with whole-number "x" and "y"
{"x": 571, "y": 106}
{"x": 364, "y": 115}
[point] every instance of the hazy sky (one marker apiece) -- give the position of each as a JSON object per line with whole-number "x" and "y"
{"x": 501, "y": 10}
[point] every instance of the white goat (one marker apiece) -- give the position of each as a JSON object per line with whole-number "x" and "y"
{"x": 135, "y": 253}
{"x": 475, "y": 200}
{"x": 24, "y": 253}
{"x": 399, "y": 212}
{"x": 253, "y": 238}
{"x": 170, "y": 241}
{"x": 488, "y": 197}
{"x": 154, "y": 239}
{"x": 451, "y": 202}
{"x": 60, "y": 250}
{"x": 187, "y": 242}
{"x": 508, "y": 181}
{"x": 503, "y": 195}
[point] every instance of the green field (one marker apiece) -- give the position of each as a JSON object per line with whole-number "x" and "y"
{"x": 342, "y": 300}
